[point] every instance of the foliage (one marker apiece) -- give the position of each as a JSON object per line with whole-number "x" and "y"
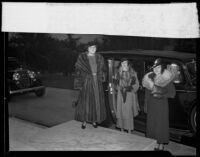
{"x": 41, "y": 52}
{"x": 44, "y": 53}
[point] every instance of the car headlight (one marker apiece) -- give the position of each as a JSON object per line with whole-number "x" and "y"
{"x": 31, "y": 74}
{"x": 16, "y": 76}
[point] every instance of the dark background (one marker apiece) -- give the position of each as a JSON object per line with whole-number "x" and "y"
{"x": 54, "y": 55}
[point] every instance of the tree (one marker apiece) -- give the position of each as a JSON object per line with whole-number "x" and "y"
{"x": 31, "y": 49}
{"x": 72, "y": 51}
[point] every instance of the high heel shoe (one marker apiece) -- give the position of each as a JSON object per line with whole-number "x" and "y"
{"x": 162, "y": 148}
{"x": 95, "y": 125}
{"x": 158, "y": 149}
{"x": 83, "y": 126}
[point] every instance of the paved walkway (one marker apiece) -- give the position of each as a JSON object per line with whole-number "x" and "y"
{"x": 29, "y": 136}
{"x": 70, "y": 136}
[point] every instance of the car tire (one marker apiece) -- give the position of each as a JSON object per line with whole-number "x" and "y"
{"x": 193, "y": 115}
{"x": 40, "y": 92}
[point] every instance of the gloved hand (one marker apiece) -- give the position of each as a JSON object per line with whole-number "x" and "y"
{"x": 133, "y": 81}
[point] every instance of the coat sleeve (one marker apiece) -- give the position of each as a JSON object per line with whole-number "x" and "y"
{"x": 79, "y": 75}
{"x": 77, "y": 61}
{"x": 136, "y": 85}
{"x": 103, "y": 68}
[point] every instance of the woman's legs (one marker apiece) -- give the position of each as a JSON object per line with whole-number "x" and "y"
{"x": 157, "y": 147}
{"x": 83, "y": 125}
{"x": 95, "y": 124}
{"x": 161, "y": 146}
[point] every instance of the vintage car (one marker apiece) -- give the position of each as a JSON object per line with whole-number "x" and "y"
{"x": 182, "y": 108}
{"x": 21, "y": 80}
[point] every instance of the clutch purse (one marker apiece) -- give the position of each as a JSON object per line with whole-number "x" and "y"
{"x": 133, "y": 81}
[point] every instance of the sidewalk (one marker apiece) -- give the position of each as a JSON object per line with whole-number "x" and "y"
{"x": 27, "y": 136}
{"x": 70, "y": 136}
{"x": 173, "y": 147}
{"x": 19, "y": 133}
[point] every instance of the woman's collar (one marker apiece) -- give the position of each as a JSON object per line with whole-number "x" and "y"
{"x": 89, "y": 54}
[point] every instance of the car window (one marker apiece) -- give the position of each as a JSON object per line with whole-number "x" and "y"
{"x": 138, "y": 66}
{"x": 180, "y": 77}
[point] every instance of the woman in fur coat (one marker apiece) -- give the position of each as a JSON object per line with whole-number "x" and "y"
{"x": 127, "y": 101}
{"x": 156, "y": 101}
{"x": 91, "y": 105}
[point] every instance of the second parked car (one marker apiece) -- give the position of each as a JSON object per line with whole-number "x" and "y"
{"x": 22, "y": 80}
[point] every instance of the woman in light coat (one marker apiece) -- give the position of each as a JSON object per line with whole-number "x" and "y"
{"x": 127, "y": 101}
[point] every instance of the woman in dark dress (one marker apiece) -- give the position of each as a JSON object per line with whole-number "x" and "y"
{"x": 157, "y": 108}
{"x": 91, "y": 105}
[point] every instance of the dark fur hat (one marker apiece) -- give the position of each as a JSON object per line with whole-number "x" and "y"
{"x": 90, "y": 44}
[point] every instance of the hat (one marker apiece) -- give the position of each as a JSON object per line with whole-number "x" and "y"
{"x": 124, "y": 59}
{"x": 91, "y": 43}
{"x": 157, "y": 62}
{"x": 88, "y": 45}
